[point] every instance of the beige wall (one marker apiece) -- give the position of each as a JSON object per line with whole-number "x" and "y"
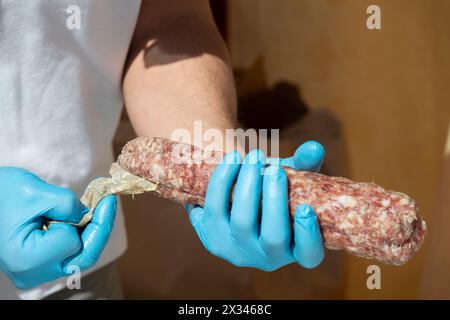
{"x": 436, "y": 276}
{"x": 389, "y": 88}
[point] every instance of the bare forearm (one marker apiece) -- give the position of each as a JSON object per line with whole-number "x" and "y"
{"x": 179, "y": 73}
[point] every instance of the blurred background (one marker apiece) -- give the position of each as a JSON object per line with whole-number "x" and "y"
{"x": 377, "y": 100}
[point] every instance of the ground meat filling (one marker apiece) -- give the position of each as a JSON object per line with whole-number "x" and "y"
{"x": 362, "y": 218}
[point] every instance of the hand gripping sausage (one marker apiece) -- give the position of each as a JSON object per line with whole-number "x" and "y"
{"x": 362, "y": 218}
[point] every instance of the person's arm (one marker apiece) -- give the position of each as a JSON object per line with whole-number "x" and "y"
{"x": 178, "y": 70}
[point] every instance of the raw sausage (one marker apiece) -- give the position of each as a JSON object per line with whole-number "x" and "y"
{"x": 362, "y": 218}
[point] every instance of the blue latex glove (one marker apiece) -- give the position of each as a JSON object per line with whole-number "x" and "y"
{"x": 308, "y": 157}
{"x": 30, "y": 256}
{"x": 237, "y": 235}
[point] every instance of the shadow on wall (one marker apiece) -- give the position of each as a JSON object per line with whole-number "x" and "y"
{"x": 260, "y": 107}
{"x": 282, "y": 107}
{"x": 166, "y": 260}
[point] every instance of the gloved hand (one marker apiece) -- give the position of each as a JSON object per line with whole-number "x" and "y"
{"x": 236, "y": 235}
{"x": 30, "y": 256}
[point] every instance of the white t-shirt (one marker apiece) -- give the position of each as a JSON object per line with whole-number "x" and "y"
{"x": 61, "y": 64}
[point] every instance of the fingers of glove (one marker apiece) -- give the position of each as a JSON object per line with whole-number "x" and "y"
{"x": 286, "y": 162}
{"x": 275, "y": 225}
{"x": 63, "y": 203}
{"x": 219, "y": 187}
{"x": 195, "y": 214}
{"x": 278, "y": 161}
{"x": 246, "y": 198}
{"x": 96, "y": 234}
{"x": 60, "y": 241}
{"x": 308, "y": 247}
{"x": 309, "y": 156}
{"x": 195, "y": 217}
